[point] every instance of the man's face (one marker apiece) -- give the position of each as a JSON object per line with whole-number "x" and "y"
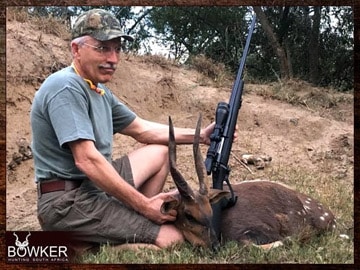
{"x": 97, "y": 60}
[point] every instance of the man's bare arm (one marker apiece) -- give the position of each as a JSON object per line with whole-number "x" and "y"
{"x": 154, "y": 133}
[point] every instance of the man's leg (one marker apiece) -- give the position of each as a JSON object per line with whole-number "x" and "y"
{"x": 169, "y": 235}
{"x": 150, "y": 168}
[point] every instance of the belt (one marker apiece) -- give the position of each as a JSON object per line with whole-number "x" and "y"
{"x": 57, "y": 184}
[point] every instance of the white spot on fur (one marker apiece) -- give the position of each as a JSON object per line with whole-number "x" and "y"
{"x": 326, "y": 214}
{"x": 277, "y": 244}
{"x": 322, "y": 218}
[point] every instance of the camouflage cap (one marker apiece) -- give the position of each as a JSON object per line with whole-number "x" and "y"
{"x": 99, "y": 24}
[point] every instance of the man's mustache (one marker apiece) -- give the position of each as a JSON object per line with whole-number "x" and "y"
{"x": 108, "y": 66}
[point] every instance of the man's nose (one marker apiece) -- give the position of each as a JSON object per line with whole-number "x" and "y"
{"x": 113, "y": 56}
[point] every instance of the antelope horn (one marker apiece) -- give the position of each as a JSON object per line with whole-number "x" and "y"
{"x": 184, "y": 189}
{"x": 199, "y": 162}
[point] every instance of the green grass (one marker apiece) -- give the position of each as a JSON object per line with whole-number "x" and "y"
{"x": 326, "y": 249}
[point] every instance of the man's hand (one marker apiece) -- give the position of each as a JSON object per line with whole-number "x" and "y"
{"x": 206, "y": 133}
{"x": 153, "y": 210}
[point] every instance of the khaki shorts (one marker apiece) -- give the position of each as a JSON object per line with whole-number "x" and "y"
{"x": 96, "y": 216}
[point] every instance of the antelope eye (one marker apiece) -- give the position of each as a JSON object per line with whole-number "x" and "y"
{"x": 189, "y": 217}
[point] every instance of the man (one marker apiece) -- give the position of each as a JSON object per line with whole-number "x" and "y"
{"x": 73, "y": 119}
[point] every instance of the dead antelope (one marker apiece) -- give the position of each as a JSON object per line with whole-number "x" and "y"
{"x": 265, "y": 213}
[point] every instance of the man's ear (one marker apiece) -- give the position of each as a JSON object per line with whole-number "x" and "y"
{"x": 172, "y": 202}
{"x": 216, "y": 195}
{"x": 74, "y": 49}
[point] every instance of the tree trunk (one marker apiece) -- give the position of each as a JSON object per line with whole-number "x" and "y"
{"x": 314, "y": 47}
{"x": 278, "y": 49}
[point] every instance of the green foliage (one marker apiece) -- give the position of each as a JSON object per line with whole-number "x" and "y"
{"x": 320, "y": 54}
{"x": 212, "y": 31}
{"x": 293, "y": 27}
{"x": 219, "y": 33}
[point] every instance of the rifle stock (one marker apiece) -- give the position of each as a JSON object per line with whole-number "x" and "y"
{"x": 218, "y": 154}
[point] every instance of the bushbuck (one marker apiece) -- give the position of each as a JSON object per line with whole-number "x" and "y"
{"x": 265, "y": 213}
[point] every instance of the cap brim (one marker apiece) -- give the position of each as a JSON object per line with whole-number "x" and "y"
{"x": 103, "y": 36}
{"x": 127, "y": 37}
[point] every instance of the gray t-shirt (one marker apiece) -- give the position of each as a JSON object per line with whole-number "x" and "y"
{"x": 65, "y": 109}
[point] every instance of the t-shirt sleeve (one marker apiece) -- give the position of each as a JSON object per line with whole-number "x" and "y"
{"x": 121, "y": 114}
{"x": 68, "y": 115}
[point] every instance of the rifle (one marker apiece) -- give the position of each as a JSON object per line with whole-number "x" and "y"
{"x": 221, "y": 139}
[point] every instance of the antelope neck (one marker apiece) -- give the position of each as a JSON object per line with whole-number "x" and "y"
{"x": 93, "y": 87}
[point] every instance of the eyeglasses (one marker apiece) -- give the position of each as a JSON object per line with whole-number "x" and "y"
{"x": 104, "y": 49}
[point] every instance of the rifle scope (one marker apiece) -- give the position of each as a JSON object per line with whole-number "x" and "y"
{"x": 221, "y": 116}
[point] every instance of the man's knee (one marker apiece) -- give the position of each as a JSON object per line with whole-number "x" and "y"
{"x": 169, "y": 235}
{"x": 162, "y": 152}
{"x": 162, "y": 156}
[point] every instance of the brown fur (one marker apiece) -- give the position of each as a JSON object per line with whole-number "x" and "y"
{"x": 265, "y": 213}
{"x": 268, "y": 211}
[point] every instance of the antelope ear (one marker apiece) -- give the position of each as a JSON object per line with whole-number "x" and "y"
{"x": 216, "y": 195}
{"x": 171, "y": 203}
